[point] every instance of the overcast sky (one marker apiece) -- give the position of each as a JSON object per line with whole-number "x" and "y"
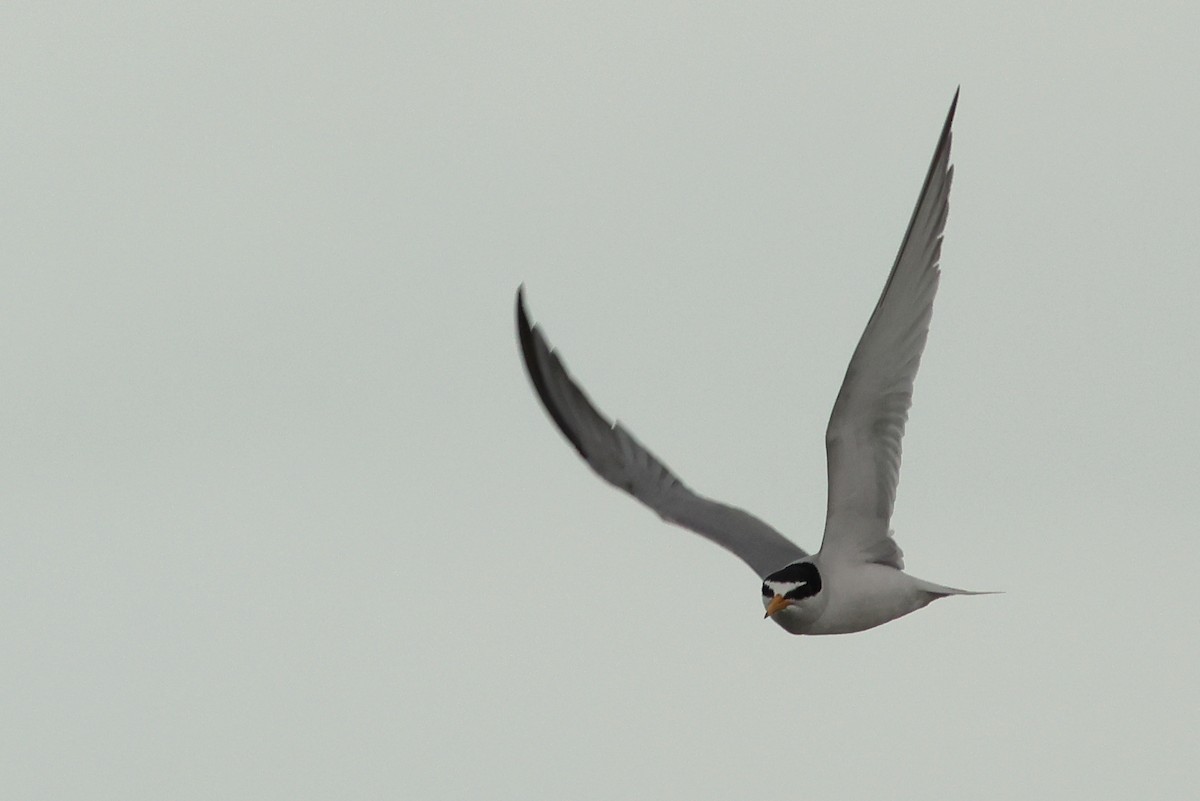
{"x": 281, "y": 517}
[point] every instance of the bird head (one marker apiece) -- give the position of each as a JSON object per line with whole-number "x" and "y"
{"x": 792, "y": 595}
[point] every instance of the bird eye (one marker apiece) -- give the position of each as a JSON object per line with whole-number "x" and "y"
{"x": 767, "y": 593}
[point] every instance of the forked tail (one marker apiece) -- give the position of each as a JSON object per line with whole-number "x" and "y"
{"x": 941, "y": 591}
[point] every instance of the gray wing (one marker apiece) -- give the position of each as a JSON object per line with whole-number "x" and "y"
{"x": 862, "y": 442}
{"x": 622, "y": 461}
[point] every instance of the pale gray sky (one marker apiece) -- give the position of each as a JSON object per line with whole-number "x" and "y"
{"x": 281, "y": 516}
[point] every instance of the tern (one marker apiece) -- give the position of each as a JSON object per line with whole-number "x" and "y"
{"x": 856, "y": 581}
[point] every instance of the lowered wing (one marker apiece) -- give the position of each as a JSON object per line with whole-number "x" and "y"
{"x": 622, "y": 461}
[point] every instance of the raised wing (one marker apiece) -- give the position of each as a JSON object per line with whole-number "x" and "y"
{"x": 862, "y": 442}
{"x": 621, "y": 460}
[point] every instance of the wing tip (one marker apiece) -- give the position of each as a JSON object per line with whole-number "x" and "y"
{"x": 943, "y": 145}
{"x": 525, "y": 335}
{"x": 522, "y": 317}
{"x": 536, "y": 370}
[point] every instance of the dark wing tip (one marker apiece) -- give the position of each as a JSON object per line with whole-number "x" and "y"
{"x": 522, "y": 317}
{"x": 943, "y": 140}
{"x": 537, "y": 376}
{"x": 525, "y": 335}
{"x": 941, "y": 156}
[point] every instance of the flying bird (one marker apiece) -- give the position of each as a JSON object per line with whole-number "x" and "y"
{"x": 856, "y": 580}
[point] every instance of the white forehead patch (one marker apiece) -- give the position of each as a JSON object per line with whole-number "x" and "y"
{"x": 784, "y": 587}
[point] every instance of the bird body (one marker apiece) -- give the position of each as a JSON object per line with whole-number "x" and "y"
{"x": 856, "y": 597}
{"x": 856, "y": 580}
